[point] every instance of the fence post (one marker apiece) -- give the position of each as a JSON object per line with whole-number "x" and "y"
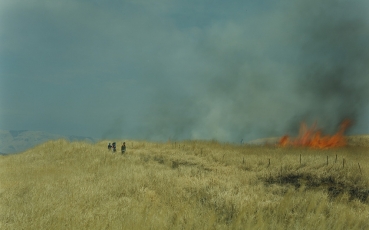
{"x": 360, "y": 169}
{"x": 327, "y": 160}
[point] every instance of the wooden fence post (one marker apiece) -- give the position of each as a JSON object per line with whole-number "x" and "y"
{"x": 327, "y": 160}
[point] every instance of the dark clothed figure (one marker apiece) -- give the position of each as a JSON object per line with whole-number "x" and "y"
{"x": 109, "y": 146}
{"x": 123, "y": 148}
{"x": 114, "y": 147}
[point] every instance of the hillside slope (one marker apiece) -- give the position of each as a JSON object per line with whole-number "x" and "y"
{"x": 14, "y": 141}
{"x": 183, "y": 185}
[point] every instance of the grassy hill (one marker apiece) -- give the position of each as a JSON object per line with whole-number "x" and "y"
{"x": 184, "y": 185}
{"x": 15, "y": 141}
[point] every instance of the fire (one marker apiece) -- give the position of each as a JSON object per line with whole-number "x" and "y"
{"x": 313, "y": 138}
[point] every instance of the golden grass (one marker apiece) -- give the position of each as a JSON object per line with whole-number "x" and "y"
{"x": 183, "y": 185}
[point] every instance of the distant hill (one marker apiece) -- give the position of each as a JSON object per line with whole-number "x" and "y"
{"x": 14, "y": 141}
{"x": 265, "y": 141}
{"x": 358, "y": 140}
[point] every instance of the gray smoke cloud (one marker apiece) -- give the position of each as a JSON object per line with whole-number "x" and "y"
{"x": 305, "y": 62}
{"x": 334, "y": 55}
{"x": 183, "y": 69}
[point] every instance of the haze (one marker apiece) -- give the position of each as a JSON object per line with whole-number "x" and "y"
{"x": 159, "y": 70}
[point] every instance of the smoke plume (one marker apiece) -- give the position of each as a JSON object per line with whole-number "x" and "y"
{"x": 334, "y": 55}
{"x": 306, "y": 62}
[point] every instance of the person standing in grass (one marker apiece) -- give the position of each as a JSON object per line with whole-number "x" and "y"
{"x": 123, "y": 148}
{"x": 114, "y": 147}
{"x": 109, "y": 146}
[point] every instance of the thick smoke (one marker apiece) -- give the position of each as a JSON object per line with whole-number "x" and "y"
{"x": 184, "y": 70}
{"x": 334, "y": 58}
{"x": 305, "y": 63}
{"x": 261, "y": 75}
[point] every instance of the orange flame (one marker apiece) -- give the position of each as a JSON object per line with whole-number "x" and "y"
{"x": 311, "y": 137}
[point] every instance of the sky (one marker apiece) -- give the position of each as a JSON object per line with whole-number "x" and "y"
{"x": 183, "y": 69}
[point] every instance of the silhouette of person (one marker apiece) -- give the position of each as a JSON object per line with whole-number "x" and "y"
{"x": 123, "y": 148}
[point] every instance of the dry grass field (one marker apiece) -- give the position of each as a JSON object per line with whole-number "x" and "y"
{"x": 184, "y": 185}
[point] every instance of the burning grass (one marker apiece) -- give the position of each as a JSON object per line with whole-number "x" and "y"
{"x": 312, "y": 137}
{"x": 186, "y": 185}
